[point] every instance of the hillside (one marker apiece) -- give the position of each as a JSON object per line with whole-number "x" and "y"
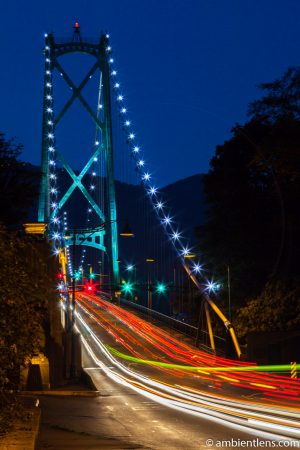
{"x": 185, "y": 199}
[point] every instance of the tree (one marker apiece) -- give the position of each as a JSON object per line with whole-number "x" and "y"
{"x": 252, "y": 190}
{"x": 281, "y": 99}
{"x": 27, "y": 276}
{"x": 27, "y": 281}
{"x": 18, "y": 184}
{"x": 277, "y": 308}
{"x": 278, "y": 156}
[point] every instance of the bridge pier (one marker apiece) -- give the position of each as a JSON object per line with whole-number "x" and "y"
{"x": 72, "y": 355}
{"x": 35, "y": 375}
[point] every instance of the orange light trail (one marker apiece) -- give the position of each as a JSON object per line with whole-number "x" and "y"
{"x": 159, "y": 345}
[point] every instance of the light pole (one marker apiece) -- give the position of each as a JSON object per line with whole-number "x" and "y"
{"x": 149, "y": 284}
{"x": 100, "y": 273}
{"x": 132, "y": 268}
{"x": 229, "y": 291}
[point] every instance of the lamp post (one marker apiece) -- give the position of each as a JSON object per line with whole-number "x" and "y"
{"x": 149, "y": 285}
{"x": 229, "y": 291}
{"x": 100, "y": 273}
{"x": 131, "y": 268}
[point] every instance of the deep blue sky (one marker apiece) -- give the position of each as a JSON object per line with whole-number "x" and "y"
{"x": 189, "y": 67}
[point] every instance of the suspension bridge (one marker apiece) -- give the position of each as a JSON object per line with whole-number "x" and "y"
{"x": 99, "y": 233}
{"x": 108, "y": 290}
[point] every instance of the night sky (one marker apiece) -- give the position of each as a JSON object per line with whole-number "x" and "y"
{"x": 188, "y": 68}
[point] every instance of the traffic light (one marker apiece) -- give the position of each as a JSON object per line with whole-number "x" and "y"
{"x": 60, "y": 275}
{"x": 90, "y": 287}
{"x": 92, "y": 275}
{"x": 127, "y": 287}
{"x": 161, "y": 288}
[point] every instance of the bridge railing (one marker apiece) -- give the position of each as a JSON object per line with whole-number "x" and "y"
{"x": 178, "y": 325}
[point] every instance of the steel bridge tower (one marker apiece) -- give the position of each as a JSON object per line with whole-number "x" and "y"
{"x": 49, "y": 211}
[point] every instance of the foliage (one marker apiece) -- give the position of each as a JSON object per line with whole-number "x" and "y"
{"x": 277, "y": 308}
{"x": 27, "y": 277}
{"x": 18, "y": 184}
{"x": 10, "y": 408}
{"x": 282, "y": 99}
{"x": 26, "y": 285}
{"x": 252, "y": 190}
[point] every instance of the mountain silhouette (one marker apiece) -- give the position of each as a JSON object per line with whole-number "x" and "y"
{"x": 183, "y": 201}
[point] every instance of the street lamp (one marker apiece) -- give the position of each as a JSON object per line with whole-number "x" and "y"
{"x": 100, "y": 273}
{"x": 127, "y": 232}
{"x": 149, "y": 284}
{"x": 131, "y": 268}
{"x": 189, "y": 255}
{"x": 229, "y": 291}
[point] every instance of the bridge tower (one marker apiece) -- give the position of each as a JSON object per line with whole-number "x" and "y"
{"x": 105, "y": 238}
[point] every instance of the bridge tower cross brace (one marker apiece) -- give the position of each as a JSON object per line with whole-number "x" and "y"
{"x": 47, "y": 211}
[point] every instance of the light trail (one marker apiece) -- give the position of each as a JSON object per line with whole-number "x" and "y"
{"x": 279, "y": 368}
{"x": 126, "y": 338}
{"x": 267, "y": 422}
{"x": 246, "y": 376}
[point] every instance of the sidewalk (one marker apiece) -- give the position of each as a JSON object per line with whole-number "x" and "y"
{"x": 24, "y": 433}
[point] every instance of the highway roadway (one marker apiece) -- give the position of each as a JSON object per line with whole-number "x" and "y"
{"x": 171, "y": 395}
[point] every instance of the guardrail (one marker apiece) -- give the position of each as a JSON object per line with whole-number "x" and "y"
{"x": 178, "y": 325}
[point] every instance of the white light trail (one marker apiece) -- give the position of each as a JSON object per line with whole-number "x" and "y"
{"x": 228, "y": 414}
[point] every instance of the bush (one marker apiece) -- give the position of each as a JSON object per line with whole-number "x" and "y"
{"x": 277, "y": 308}
{"x": 26, "y": 285}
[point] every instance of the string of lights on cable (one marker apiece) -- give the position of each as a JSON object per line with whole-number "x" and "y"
{"x": 163, "y": 212}
{"x": 55, "y": 224}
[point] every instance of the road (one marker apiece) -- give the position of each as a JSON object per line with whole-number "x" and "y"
{"x": 179, "y": 408}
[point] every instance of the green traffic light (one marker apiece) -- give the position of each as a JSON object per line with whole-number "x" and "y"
{"x": 92, "y": 276}
{"x": 161, "y": 288}
{"x": 127, "y": 287}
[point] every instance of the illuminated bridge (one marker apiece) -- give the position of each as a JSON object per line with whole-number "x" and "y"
{"x": 120, "y": 294}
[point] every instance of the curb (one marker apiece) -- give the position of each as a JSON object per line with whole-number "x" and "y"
{"x": 57, "y": 393}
